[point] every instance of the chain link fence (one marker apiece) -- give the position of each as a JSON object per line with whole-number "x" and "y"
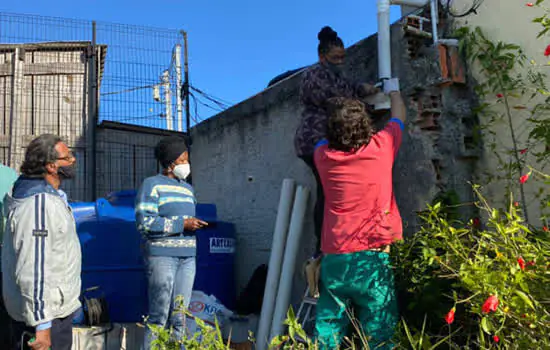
{"x": 66, "y": 76}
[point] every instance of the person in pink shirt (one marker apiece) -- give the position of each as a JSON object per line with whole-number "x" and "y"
{"x": 361, "y": 221}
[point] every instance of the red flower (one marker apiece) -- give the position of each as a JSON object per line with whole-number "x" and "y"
{"x": 531, "y": 263}
{"x": 491, "y": 304}
{"x": 450, "y": 316}
{"x": 496, "y": 338}
{"x": 516, "y": 204}
{"x": 523, "y": 179}
{"x": 530, "y": 4}
{"x": 523, "y": 151}
{"x": 500, "y": 95}
{"x": 545, "y": 228}
{"x": 521, "y": 263}
{"x": 476, "y": 222}
{"x": 547, "y": 51}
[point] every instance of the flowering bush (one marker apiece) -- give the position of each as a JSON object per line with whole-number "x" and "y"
{"x": 514, "y": 92}
{"x": 489, "y": 284}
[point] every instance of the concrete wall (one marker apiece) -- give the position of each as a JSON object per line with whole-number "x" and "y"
{"x": 510, "y": 22}
{"x": 241, "y": 156}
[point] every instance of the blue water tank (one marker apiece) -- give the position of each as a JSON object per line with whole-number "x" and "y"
{"x": 112, "y": 255}
{"x": 215, "y": 262}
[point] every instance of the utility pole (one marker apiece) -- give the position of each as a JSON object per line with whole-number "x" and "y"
{"x": 178, "y": 87}
{"x": 167, "y": 99}
{"x": 93, "y": 109}
{"x": 186, "y": 86}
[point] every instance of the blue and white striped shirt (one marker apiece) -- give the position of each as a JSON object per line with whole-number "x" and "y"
{"x": 162, "y": 205}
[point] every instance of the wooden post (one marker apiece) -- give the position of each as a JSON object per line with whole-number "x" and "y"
{"x": 15, "y": 157}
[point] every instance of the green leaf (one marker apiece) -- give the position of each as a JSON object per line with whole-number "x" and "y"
{"x": 486, "y": 325}
{"x": 525, "y": 298}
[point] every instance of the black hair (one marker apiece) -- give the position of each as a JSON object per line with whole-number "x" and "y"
{"x": 40, "y": 152}
{"x": 349, "y": 124}
{"x": 328, "y": 39}
{"x": 169, "y": 149}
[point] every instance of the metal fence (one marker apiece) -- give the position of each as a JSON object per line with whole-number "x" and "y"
{"x": 65, "y": 76}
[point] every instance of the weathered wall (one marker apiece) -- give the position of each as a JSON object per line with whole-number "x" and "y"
{"x": 240, "y": 157}
{"x": 510, "y": 22}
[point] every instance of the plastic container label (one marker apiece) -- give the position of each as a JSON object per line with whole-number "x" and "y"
{"x": 222, "y": 245}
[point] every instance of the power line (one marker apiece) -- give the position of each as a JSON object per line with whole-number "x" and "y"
{"x": 128, "y": 90}
{"x": 196, "y": 117}
{"x": 217, "y": 109}
{"x": 219, "y": 101}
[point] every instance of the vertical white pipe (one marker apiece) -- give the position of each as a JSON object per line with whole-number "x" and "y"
{"x": 381, "y": 101}
{"x": 289, "y": 262}
{"x": 384, "y": 43}
{"x": 435, "y": 19}
{"x": 274, "y": 269}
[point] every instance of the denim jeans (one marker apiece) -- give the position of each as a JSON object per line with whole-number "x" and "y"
{"x": 167, "y": 278}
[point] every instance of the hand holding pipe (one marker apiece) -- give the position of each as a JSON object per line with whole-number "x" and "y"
{"x": 390, "y": 85}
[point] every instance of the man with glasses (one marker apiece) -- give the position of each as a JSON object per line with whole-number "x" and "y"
{"x": 41, "y": 258}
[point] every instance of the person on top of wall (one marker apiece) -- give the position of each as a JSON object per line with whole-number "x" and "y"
{"x": 361, "y": 221}
{"x": 41, "y": 255}
{"x": 319, "y": 83}
{"x": 165, "y": 215}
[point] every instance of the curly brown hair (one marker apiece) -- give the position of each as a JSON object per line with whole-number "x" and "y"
{"x": 349, "y": 124}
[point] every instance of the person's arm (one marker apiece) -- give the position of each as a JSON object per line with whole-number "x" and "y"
{"x": 393, "y": 131}
{"x": 149, "y": 221}
{"x": 398, "y": 110}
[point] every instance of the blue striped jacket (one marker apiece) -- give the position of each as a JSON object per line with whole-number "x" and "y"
{"x": 162, "y": 205}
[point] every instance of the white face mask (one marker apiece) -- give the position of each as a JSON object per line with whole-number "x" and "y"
{"x": 182, "y": 171}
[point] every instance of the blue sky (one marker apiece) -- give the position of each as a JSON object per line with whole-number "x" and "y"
{"x": 237, "y": 46}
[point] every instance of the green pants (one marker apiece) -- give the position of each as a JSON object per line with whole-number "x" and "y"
{"x": 362, "y": 282}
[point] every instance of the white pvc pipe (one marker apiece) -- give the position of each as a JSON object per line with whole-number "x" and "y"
{"x": 384, "y": 43}
{"x": 289, "y": 262}
{"x": 274, "y": 269}
{"x": 434, "y": 14}
{"x": 381, "y": 101}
